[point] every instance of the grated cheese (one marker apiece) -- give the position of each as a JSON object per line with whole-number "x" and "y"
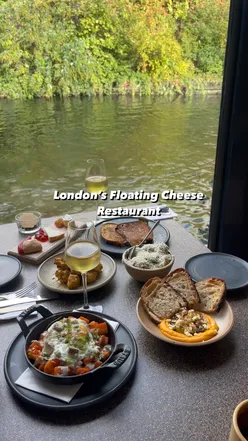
{"x": 151, "y": 256}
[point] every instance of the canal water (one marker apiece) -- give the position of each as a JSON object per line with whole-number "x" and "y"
{"x": 148, "y": 143}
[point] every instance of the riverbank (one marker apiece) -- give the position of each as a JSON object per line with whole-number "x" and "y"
{"x": 173, "y": 88}
{"x": 146, "y": 88}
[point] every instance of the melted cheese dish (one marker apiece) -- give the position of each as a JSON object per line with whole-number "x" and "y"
{"x": 189, "y": 326}
{"x": 71, "y": 346}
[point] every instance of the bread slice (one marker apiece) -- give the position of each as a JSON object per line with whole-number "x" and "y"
{"x": 109, "y": 234}
{"x": 181, "y": 281}
{"x": 149, "y": 287}
{"x": 163, "y": 302}
{"x": 211, "y": 292}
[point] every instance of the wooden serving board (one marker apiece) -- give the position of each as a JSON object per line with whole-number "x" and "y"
{"x": 48, "y": 248}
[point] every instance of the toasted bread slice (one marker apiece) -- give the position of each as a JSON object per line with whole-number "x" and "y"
{"x": 211, "y": 292}
{"x": 163, "y": 302}
{"x": 134, "y": 232}
{"x": 110, "y": 235}
{"x": 149, "y": 287}
{"x": 181, "y": 281}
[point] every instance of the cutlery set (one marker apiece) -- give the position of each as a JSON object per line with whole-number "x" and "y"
{"x": 18, "y": 300}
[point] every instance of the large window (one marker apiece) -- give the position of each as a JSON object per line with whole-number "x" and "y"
{"x": 137, "y": 82}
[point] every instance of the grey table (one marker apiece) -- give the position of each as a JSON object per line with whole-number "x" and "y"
{"x": 176, "y": 393}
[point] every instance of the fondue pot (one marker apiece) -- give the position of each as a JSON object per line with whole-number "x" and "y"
{"x": 121, "y": 351}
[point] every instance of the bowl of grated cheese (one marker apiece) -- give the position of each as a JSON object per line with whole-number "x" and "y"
{"x": 150, "y": 260}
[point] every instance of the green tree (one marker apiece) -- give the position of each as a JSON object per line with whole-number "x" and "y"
{"x": 73, "y": 47}
{"x": 204, "y": 33}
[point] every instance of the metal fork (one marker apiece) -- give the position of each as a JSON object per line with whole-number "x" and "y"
{"x": 20, "y": 293}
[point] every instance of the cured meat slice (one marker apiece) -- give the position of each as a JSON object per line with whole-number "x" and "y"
{"x": 134, "y": 232}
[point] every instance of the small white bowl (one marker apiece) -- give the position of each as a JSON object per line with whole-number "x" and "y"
{"x": 141, "y": 274}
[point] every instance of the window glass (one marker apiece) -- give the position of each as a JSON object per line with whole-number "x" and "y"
{"x": 137, "y": 83}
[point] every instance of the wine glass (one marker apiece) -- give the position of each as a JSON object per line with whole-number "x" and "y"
{"x": 96, "y": 179}
{"x": 82, "y": 253}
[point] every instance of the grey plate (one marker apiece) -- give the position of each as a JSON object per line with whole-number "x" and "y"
{"x": 160, "y": 234}
{"x": 46, "y": 276}
{"x": 89, "y": 394}
{"x": 10, "y": 268}
{"x": 230, "y": 268}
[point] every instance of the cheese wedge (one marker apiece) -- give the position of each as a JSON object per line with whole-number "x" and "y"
{"x": 53, "y": 234}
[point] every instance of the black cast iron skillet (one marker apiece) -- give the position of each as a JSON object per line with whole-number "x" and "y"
{"x": 34, "y": 334}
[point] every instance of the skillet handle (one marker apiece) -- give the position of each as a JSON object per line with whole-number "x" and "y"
{"x": 21, "y": 318}
{"x": 124, "y": 351}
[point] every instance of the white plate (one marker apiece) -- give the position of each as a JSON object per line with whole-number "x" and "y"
{"x": 224, "y": 320}
{"x": 46, "y": 275}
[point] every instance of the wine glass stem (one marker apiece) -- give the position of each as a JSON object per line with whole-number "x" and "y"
{"x": 96, "y": 219}
{"x": 84, "y": 284}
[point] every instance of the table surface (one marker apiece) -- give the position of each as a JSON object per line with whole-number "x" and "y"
{"x": 176, "y": 393}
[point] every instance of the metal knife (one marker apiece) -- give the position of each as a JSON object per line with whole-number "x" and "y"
{"x": 17, "y": 301}
{"x": 36, "y": 298}
{"x": 14, "y": 314}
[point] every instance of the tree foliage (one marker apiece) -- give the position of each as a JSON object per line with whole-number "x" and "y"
{"x": 73, "y": 47}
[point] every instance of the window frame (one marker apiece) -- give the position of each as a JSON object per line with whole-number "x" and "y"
{"x": 229, "y": 211}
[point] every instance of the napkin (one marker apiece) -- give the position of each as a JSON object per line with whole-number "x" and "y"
{"x": 62, "y": 392}
{"x": 167, "y": 215}
{"x": 13, "y": 314}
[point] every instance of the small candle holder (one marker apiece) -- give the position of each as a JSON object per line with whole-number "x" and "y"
{"x": 28, "y": 222}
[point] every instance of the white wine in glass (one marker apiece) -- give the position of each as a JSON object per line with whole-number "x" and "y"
{"x": 82, "y": 253}
{"x": 96, "y": 184}
{"x": 96, "y": 179}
